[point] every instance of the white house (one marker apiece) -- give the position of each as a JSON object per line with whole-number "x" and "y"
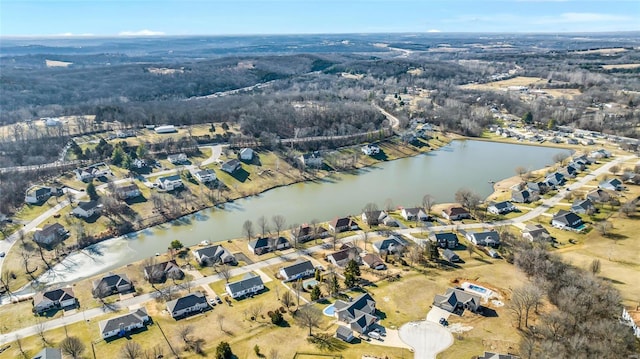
{"x": 486, "y": 238}
{"x": 166, "y": 129}
{"x": 190, "y": 303}
{"x": 177, "y": 158}
{"x": 169, "y": 183}
{"x": 370, "y": 150}
{"x": 205, "y": 175}
{"x": 501, "y": 208}
{"x": 86, "y": 209}
{"x": 250, "y": 284}
{"x": 93, "y": 171}
{"x": 50, "y": 235}
{"x": 56, "y": 298}
{"x": 311, "y": 159}
{"x": 411, "y": 214}
{"x": 37, "y": 195}
{"x": 297, "y": 270}
{"x": 121, "y": 325}
{"x": 128, "y": 191}
{"x": 246, "y": 154}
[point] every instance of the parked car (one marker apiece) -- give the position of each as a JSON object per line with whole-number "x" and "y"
{"x": 1, "y": 254}
{"x": 375, "y": 335}
{"x": 443, "y": 322}
{"x": 218, "y": 300}
{"x": 213, "y": 301}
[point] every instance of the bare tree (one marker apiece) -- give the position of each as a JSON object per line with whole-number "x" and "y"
{"x": 287, "y": 300}
{"x": 388, "y": 204}
{"x": 273, "y": 354}
{"x": 521, "y": 171}
{"x": 560, "y": 157}
{"x": 308, "y": 317}
{"x": 628, "y": 208}
{"x": 40, "y": 328}
{"x": 415, "y": 255}
{"x": 263, "y": 224}
{"x": 614, "y": 169}
{"x": 523, "y": 301}
{"x": 595, "y": 266}
{"x": 370, "y": 207}
{"x": 467, "y": 198}
{"x": 20, "y": 348}
{"x": 247, "y": 229}
{"x": 72, "y": 346}
{"x": 604, "y": 227}
{"x": 279, "y": 223}
{"x": 184, "y": 332}
{"x": 220, "y": 320}
{"x": 224, "y": 270}
{"x": 131, "y": 350}
{"x": 365, "y": 239}
{"x": 255, "y": 310}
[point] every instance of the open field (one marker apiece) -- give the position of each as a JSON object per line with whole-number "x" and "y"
{"x": 608, "y": 51}
{"x": 621, "y": 66}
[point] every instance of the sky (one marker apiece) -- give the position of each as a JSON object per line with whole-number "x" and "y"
{"x": 233, "y": 17}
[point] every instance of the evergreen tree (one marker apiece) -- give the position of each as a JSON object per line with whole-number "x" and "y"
{"x": 223, "y": 351}
{"x": 118, "y": 156}
{"x": 91, "y": 191}
{"x": 316, "y": 293}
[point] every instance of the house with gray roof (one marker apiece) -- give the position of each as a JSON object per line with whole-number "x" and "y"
{"x": 343, "y": 224}
{"x": 583, "y": 206}
{"x": 450, "y": 255}
{"x": 49, "y": 353}
{"x": 122, "y": 325}
{"x": 159, "y": 272}
{"x": 249, "y": 285}
{"x": 484, "y": 238}
{"x": 344, "y": 333}
{"x": 490, "y": 355}
{"x": 343, "y": 256}
{"x": 50, "y": 235}
{"x": 54, "y": 299}
{"x": 189, "y": 304}
{"x": 612, "y": 184}
{"x": 111, "y": 284}
{"x": 568, "y": 221}
{"x": 169, "y": 183}
{"x": 455, "y": 213}
{"x": 503, "y": 207}
{"x": 265, "y": 245}
{"x": 87, "y": 209}
{"x": 35, "y": 195}
{"x": 373, "y": 218}
{"x": 214, "y": 254}
{"x": 555, "y": 179}
{"x": 298, "y": 270}
{"x": 523, "y": 196}
{"x": 311, "y": 159}
{"x": 457, "y": 301}
{"x": 445, "y": 239}
{"x": 231, "y": 166}
{"x": 600, "y": 195}
{"x": 358, "y": 313}
{"x": 246, "y": 154}
{"x": 127, "y": 191}
{"x": 411, "y": 214}
{"x": 205, "y": 176}
{"x": 177, "y": 158}
{"x": 374, "y": 261}
{"x": 536, "y": 232}
{"x": 390, "y": 245}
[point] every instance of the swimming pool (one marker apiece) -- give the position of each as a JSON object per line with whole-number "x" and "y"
{"x": 475, "y": 288}
{"x": 329, "y": 311}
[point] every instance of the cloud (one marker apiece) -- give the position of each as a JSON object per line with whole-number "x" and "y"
{"x": 70, "y": 34}
{"x": 141, "y": 33}
{"x": 433, "y": 30}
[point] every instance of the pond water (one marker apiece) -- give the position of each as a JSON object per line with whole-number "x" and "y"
{"x": 461, "y": 164}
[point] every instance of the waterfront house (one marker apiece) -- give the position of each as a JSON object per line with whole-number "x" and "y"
{"x": 370, "y": 149}
{"x": 358, "y": 313}
{"x": 583, "y": 206}
{"x": 306, "y": 233}
{"x": 50, "y": 235}
{"x": 568, "y": 221}
{"x": 612, "y": 184}
{"x": 537, "y": 187}
{"x": 503, "y": 207}
{"x": 343, "y": 224}
{"x": 127, "y": 191}
{"x": 231, "y": 166}
{"x": 208, "y": 256}
{"x": 457, "y": 301}
{"x": 169, "y": 183}
{"x": 35, "y": 195}
{"x": 446, "y": 239}
{"x": 124, "y": 324}
{"x": 536, "y": 232}
{"x": 189, "y": 304}
{"x": 600, "y": 153}
{"x": 391, "y": 245}
{"x": 246, "y": 154}
{"x": 373, "y": 218}
{"x": 56, "y": 298}
{"x": 297, "y": 271}
{"x": 265, "y": 245}
{"x": 523, "y": 196}
{"x": 374, "y": 261}
{"x": 205, "y": 175}
{"x": 555, "y": 179}
{"x": 311, "y": 159}
{"x": 249, "y": 285}
{"x": 412, "y": 214}
{"x": 87, "y": 209}
{"x": 158, "y": 273}
{"x": 450, "y": 255}
{"x": 455, "y": 213}
{"x": 484, "y": 238}
{"x": 177, "y": 158}
{"x": 111, "y": 284}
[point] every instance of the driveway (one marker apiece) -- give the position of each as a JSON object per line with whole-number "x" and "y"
{"x": 392, "y": 339}
{"x": 426, "y": 338}
{"x": 436, "y": 313}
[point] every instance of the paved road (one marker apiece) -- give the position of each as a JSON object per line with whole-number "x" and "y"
{"x": 393, "y": 120}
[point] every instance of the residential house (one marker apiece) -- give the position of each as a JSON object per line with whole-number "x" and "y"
{"x": 568, "y": 221}
{"x": 246, "y": 154}
{"x": 457, "y": 301}
{"x": 389, "y": 245}
{"x": 215, "y": 254}
{"x": 455, "y": 213}
{"x": 374, "y": 261}
{"x": 231, "y": 166}
{"x": 169, "y": 183}
{"x": 503, "y": 207}
{"x": 205, "y": 176}
{"x": 450, "y": 255}
{"x": 446, "y": 240}
{"x": 490, "y": 355}
{"x": 523, "y": 196}
{"x": 90, "y": 172}
{"x": 111, "y": 284}
{"x": 35, "y": 195}
{"x": 343, "y": 256}
{"x": 124, "y": 324}
{"x": 485, "y": 238}
{"x": 343, "y": 224}
{"x": 128, "y": 191}
{"x": 56, "y": 298}
{"x": 312, "y": 159}
{"x": 358, "y": 313}
{"x": 298, "y": 270}
{"x": 536, "y": 232}
{"x": 190, "y": 303}
{"x": 177, "y": 158}
{"x": 49, "y": 353}
{"x": 579, "y": 165}
{"x": 572, "y": 141}
{"x": 600, "y": 196}
{"x": 600, "y": 153}
{"x": 568, "y": 172}
{"x": 612, "y": 184}
{"x": 139, "y": 163}
{"x": 411, "y": 214}
{"x": 344, "y": 333}
{"x": 306, "y": 233}
{"x": 370, "y": 150}
{"x": 583, "y": 206}
{"x": 50, "y": 235}
{"x": 249, "y": 285}
{"x": 265, "y": 245}
{"x": 165, "y": 129}
{"x": 555, "y": 179}
{"x": 87, "y": 209}
{"x": 158, "y": 273}
{"x": 373, "y": 218}
{"x": 537, "y": 187}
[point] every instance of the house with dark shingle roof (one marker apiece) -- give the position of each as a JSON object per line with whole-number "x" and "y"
{"x": 568, "y": 221}
{"x": 111, "y": 284}
{"x": 600, "y": 195}
{"x": 36, "y": 195}
{"x": 501, "y": 207}
{"x": 343, "y": 224}
{"x": 345, "y": 334}
{"x": 250, "y": 284}
{"x": 612, "y": 184}
{"x": 87, "y": 209}
{"x": 121, "y": 325}
{"x": 374, "y": 261}
{"x": 231, "y": 166}
{"x": 457, "y": 300}
{"x": 158, "y": 273}
{"x": 538, "y": 187}
{"x": 205, "y": 176}
{"x": 169, "y": 183}
{"x": 311, "y": 159}
{"x": 359, "y": 313}
{"x": 343, "y": 256}
{"x": 583, "y": 206}
{"x": 50, "y": 235}
{"x": 214, "y": 254}
{"x": 446, "y": 239}
{"x": 411, "y": 214}
{"x": 56, "y": 298}
{"x": 265, "y": 245}
{"x": 190, "y": 303}
{"x": 450, "y": 255}
{"x": 455, "y": 213}
{"x": 484, "y": 238}
{"x": 298, "y": 270}
{"x": 523, "y": 196}
{"x": 390, "y": 245}
{"x": 373, "y": 218}
{"x": 555, "y": 179}
{"x": 128, "y": 191}
{"x": 536, "y": 232}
